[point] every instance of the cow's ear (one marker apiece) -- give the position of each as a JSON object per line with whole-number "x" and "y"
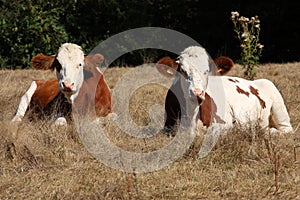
{"x": 43, "y": 62}
{"x": 167, "y": 66}
{"x": 93, "y": 61}
{"x": 224, "y": 64}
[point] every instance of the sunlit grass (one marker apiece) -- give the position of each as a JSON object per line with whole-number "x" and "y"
{"x": 39, "y": 160}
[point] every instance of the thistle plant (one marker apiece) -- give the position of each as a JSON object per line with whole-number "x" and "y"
{"x": 248, "y": 35}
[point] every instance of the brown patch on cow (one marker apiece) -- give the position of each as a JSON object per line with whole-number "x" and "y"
{"x": 43, "y": 62}
{"x": 46, "y": 91}
{"x": 234, "y": 81}
{"x": 241, "y": 91}
{"x": 103, "y": 100}
{"x": 208, "y": 112}
{"x": 256, "y": 93}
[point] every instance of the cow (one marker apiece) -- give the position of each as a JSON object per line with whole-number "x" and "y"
{"x": 220, "y": 102}
{"x": 168, "y": 67}
{"x": 79, "y": 82}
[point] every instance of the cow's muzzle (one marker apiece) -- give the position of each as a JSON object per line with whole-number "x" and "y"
{"x": 67, "y": 87}
{"x": 200, "y": 94}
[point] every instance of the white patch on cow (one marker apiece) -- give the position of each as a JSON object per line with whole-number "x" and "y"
{"x": 24, "y": 103}
{"x": 70, "y": 77}
{"x": 194, "y": 62}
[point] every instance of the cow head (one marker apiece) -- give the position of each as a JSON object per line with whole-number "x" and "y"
{"x": 194, "y": 65}
{"x": 69, "y": 64}
{"x": 194, "y": 68}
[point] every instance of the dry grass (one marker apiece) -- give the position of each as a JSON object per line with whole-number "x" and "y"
{"x": 39, "y": 161}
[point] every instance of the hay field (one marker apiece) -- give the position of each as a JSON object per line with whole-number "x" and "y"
{"x": 40, "y": 161}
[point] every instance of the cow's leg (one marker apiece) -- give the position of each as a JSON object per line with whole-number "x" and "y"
{"x": 24, "y": 103}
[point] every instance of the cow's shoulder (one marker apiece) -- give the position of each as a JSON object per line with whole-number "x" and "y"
{"x": 264, "y": 83}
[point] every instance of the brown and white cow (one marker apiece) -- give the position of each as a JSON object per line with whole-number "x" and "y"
{"x": 169, "y": 67}
{"x": 79, "y": 82}
{"x": 222, "y": 101}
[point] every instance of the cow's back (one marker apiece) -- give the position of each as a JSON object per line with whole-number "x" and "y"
{"x": 239, "y": 100}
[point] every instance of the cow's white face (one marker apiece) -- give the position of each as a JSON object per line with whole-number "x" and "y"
{"x": 69, "y": 70}
{"x": 194, "y": 67}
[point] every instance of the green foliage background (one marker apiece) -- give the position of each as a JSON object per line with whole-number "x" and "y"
{"x": 29, "y": 27}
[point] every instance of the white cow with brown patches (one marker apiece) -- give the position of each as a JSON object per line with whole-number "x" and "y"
{"x": 221, "y": 101}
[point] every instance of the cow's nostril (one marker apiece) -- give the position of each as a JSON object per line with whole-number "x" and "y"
{"x": 199, "y": 93}
{"x": 67, "y": 85}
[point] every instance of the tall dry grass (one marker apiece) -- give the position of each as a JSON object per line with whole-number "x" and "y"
{"x": 41, "y": 161}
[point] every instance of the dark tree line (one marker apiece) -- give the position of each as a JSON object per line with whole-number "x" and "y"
{"x": 29, "y": 27}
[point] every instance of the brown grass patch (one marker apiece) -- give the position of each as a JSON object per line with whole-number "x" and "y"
{"x": 38, "y": 160}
